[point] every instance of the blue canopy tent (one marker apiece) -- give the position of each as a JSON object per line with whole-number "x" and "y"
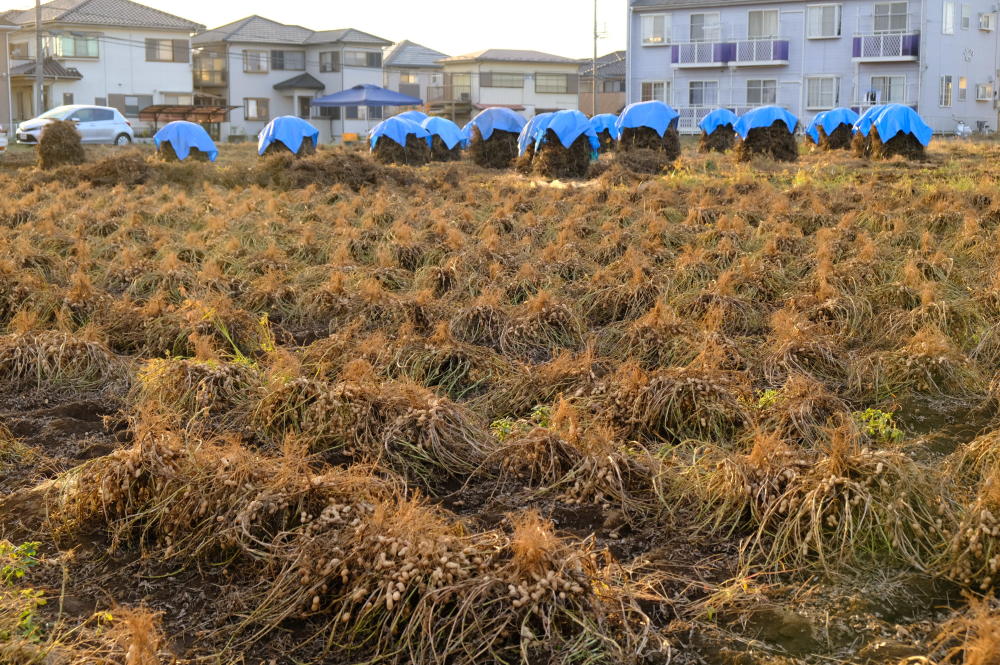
{"x": 414, "y": 115}
{"x": 447, "y": 130}
{"x": 183, "y": 136}
{"x": 568, "y": 126}
{"x": 527, "y": 136}
{"x": 289, "y": 130}
{"x": 654, "y": 114}
{"x": 364, "y": 95}
{"x": 765, "y": 116}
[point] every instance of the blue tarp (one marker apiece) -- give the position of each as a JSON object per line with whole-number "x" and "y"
{"x": 813, "y": 129}
{"x": 366, "y": 95}
{"x": 655, "y": 114}
{"x": 606, "y": 122}
{"x": 864, "y": 123}
{"x": 396, "y": 129}
{"x": 765, "y": 116}
{"x": 183, "y": 136}
{"x": 492, "y": 119}
{"x": 569, "y": 126}
{"x": 717, "y": 118}
{"x": 416, "y": 116}
{"x": 287, "y": 129}
{"x": 528, "y": 132}
{"x": 896, "y": 118}
{"x": 445, "y": 128}
{"x": 467, "y": 134}
{"x": 830, "y": 120}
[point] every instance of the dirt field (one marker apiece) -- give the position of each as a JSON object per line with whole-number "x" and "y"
{"x": 329, "y": 411}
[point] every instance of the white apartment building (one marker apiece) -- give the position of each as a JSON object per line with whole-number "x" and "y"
{"x": 106, "y": 52}
{"x": 412, "y": 69}
{"x": 938, "y": 56}
{"x": 268, "y": 69}
{"x": 6, "y": 103}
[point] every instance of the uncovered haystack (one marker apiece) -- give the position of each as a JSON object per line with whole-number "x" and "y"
{"x": 415, "y": 153}
{"x": 774, "y": 141}
{"x": 721, "y": 139}
{"x": 556, "y": 161}
{"x": 496, "y": 152}
{"x": 60, "y": 144}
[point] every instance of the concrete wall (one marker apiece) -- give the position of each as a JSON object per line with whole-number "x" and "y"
{"x": 524, "y": 96}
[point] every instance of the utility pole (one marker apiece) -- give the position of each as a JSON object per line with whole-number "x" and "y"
{"x": 593, "y": 70}
{"x": 39, "y": 62}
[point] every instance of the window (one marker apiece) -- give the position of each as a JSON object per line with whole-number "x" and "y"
{"x": 944, "y": 94}
{"x": 100, "y": 101}
{"x": 352, "y": 113}
{"x": 19, "y": 50}
{"x": 256, "y": 108}
{"x": 654, "y": 90}
{"x": 330, "y": 112}
{"x": 703, "y": 93}
{"x": 823, "y": 21}
{"x": 255, "y": 62}
{"x": 948, "y": 18}
{"x": 886, "y": 90}
{"x": 178, "y": 99}
{"x": 822, "y": 92}
{"x": 501, "y": 80}
{"x": 409, "y": 78}
{"x": 130, "y": 105}
{"x": 762, "y": 92}
{"x": 375, "y": 113}
{"x": 362, "y": 59}
{"x": 67, "y": 98}
{"x": 555, "y": 83}
{"x": 82, "y": 115}
{"x": 762, "y": 24}
{"x": 655, "y": 29}
{"x": 963, "y": 88}
{"x": 984, "y": 92}
{"x": 291, "y": 61}
{"x": 167, "y": 50}
{"x": 966, "y": 16}
{"x": 102, "y": 115}
{"x": 890, "y": 17}
{"x": 74, "y": 46}
{"x": 329, "y": 61}
{"x": 987, "y": 22}
{"x": 705, "y": 27}
{"x": 613, "y": 85}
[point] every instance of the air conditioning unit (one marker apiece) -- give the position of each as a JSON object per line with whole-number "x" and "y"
{"x": 465, "y": 97}
{"x": 987, "y": 21}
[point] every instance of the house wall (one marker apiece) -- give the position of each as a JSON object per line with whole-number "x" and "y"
{"x": 5, "y": 92}
{"x": 525, "y": 96}
{"x": 938, "y": 54}
{"x": 426, "y": 77}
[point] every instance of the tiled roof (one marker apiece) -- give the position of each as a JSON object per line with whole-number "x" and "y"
{"x": 507, "y": 55}
{"x": 304, "y": 81}
{"x": 51, "y": 69}
{"x": 611, "y": 65}
{"x": 409, "y": 54}
{"x": 115, "y": 13}
{"x": 257, "y": 29}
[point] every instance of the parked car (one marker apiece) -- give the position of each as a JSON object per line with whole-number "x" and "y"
{"x": 3, "y": 141}
{"x": 96, "y": 124}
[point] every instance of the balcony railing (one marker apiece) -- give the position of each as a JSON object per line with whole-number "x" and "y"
{"x": 210, "y": 77}
{"x": 690, "y": 116}
{"x": 761, "y": 52}
{"x": 887, "y": 46}
{"x": 449, "y": 93}
{"x": 743, "y": 52}
{"x": 702, "y": 54}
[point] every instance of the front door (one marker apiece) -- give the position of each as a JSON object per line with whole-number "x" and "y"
{"x": 304, "y": 107}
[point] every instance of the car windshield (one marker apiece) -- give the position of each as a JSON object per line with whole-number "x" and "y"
{"x": 56, "y": 113}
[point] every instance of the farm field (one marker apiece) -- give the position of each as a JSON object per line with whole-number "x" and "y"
{"x": 329, "y": 411}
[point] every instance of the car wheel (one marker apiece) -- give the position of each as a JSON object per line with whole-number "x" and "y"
{"x": 123, "y": 139}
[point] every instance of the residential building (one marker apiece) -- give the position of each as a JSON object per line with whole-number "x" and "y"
{"x": 270, "y": 69}
{"x": 938, "y": 56}
{"x": 611, "y": 72}
{"x": 411, "y": 69}
{"x": 6, "y": 103}
{"x": 529, "y": 82}
{"x": 106, "y": 52}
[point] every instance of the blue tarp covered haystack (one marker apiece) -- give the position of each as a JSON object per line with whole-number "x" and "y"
{"x": 565, "y": 145}
{"x": 891, "y": 129}
{"x": 400, "y": 141}
{"x": 606, "y": 127}
{"x": 416, "y": 116}
{"x": 649, "y": 126}
{"x": 831, "y": 130}
{"x": 290, "y": 133}
{"x": 527, "y": 139}
{"x": 768, "y": 131}
{"x": 493, "y": 137}
{"x": 182, "y": 139}
{"x": 444, "y": 138}
{"x": 718, "y": 131}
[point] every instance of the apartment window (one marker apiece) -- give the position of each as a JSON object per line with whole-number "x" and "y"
{"x": 67, "y": 98}
{"x": 823, "y": 21}
{"x": 705, "y": 27}
{"x": 19, "y": 50}
{"x": 987, "y": 22}
{"x": 762, "y": 92}
{"x": 654, "y": 90}
{"x": 329, "y": 61}
{"x": 890, "y": 16}
{"x": 984, "y": 92}
{"x": 74, "y": 46}
{"x": 554, "y": 83}
{"x": 362, "y": 59}
{"x": 168, "y": 50}
{"x": 886, "y": 90}
{"x": 944, "y": 94}
{"x": 963, "y": 88}
{"x": 256, "y": 108}
{"x": 255, "y": 62}
{"x": 966, "y": 16}
{"x": 948, "y": 18}
{"x": 329, "y": 112}
{"x": 655, "y": 29}
{"x": 501, "y": 80}
{"x": 822, "y": 92}
{"x": 351, "y": 112}
{"x": 289, "y": 61}
{"x": 703, "y": 93}
{"x": 762, "y": 24}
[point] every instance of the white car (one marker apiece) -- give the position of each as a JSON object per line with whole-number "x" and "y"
{"x": 96, "y": 124}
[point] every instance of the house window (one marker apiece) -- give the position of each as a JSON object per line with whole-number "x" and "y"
{"x": 375, "y": 113}
{"x": 705, "y": 27}
{"x": 19, "y": 50}
{"x": 655, "y": 29}
{"x": 886, "y": 90}
{"x": 890, "y": 17}
{"x": 963, "y": 88}
{"x": 984, "y": 92}
{"x": 762, "y": 24}
{"x": 654, "y": 90}
{"x": 944, "y": 91}
{"x": 67, "y": 98}
{"x": 167, "y": 50}
{"x": 177, "y": 99}
{"x": 822, "y": 92}
{"x": 703, "y": 93}
{"x": 409, "y": 78}
{"x": 948, "y": 18}
{"x": 501, "y": 80}
{"x": 613, "y": 85}
{"x": 552, "y": 83}
{"x": 329, "y": 61}
{"x": 130, "y": 105}
{"x": 762, "y": 92}
{"x": 74, "y": 46}
{"x": 133, "y": 104}
{"x": 255, "y": 62}
{"x": 966, "y": 16}
{"x": 362, "y": 59}
{"x": 256, "y": 108}
{"x": 289, "y": 61}
{"x": 100, "y": 101}
{"x": 823, "y": 21}
{"x": 329, "y": 112}
{"x": 351, "y": 113}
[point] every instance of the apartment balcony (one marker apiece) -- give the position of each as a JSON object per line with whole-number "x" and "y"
{"x": 887, "y": 47}
{"x": 760, "y": 52}
{"x": 702, "y": 54}
{"x": 211, "y": 78}
{"x": 449, "y": 94}
{"x": 736, "y": 53}
{"x": 690, "y": 116}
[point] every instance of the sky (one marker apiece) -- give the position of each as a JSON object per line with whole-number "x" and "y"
{"x": 563, "y": 27}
